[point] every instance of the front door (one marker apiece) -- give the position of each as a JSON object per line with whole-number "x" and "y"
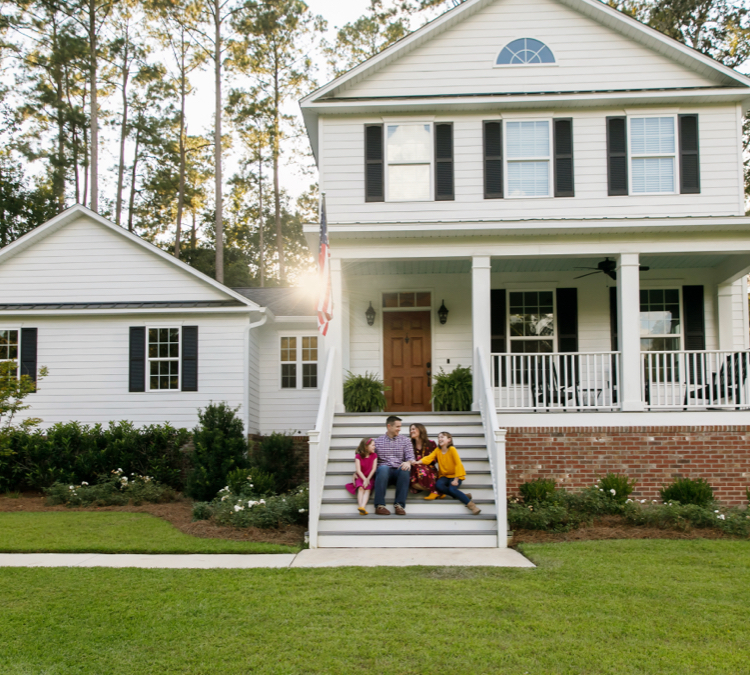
{"x": 407, "y": 354}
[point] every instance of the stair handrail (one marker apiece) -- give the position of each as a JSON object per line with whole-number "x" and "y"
{"x": 495, "y": 446}
{"x": 319, "y": 441}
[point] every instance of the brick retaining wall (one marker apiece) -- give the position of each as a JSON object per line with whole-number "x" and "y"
{"x": 652, "y": 455}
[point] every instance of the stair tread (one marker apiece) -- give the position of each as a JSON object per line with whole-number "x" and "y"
{"x": 408, "y": 516}
{"x": 432, "y": 533}
{"x": 438, "y": 503}
{"x": 350, "y": 472}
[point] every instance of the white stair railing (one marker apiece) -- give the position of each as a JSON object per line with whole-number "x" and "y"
{"x": 695, "y": 380}
{"x": 495, "y": 446}
{"x": 556, "y": 381}
{"x": 319, "y": 444}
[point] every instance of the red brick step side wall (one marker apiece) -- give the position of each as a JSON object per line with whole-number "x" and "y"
{"x": 652, "y": 455}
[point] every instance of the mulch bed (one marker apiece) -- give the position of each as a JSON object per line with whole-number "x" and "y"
{"x": 179, "y": 513}
{"x": 613, "y": 527}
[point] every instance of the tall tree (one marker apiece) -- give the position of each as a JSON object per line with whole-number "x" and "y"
{"x": 277, "y": 40}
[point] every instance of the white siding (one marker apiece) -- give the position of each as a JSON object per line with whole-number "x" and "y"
{"x": 88, "y": 362}
{"x": 253, "y": 382}
{"x": 286, "y": 410}
{"x": 588, "y": 55}
{"x": 85, "y": 261}
{"x": 342, "y": 172}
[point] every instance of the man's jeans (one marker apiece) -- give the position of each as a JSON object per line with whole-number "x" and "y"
{"x": 444, "y": 485}
{"x": 387, "y": 475}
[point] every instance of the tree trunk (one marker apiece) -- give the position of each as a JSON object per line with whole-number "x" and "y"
{"x": 276, "y": 187}
{"x": 74, "y": 136}
{"x": 133, "y": 176}
{"x": 262, "y": 244}
{"x": 94, "y": 161}
{"x": 193, "y": 235}
{"x": 219, "y": 223}
{"x": 123, "y": 131}
{"x": 181, "y": 190}
{"x": 59, "y": 173}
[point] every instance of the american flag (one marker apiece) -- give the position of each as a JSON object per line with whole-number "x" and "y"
{"x": 325, "y": 302}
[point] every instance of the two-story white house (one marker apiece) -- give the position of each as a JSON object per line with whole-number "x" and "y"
{"x": 567, "y": 183}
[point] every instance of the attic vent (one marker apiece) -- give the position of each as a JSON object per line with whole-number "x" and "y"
{"x": 525, "y": 51}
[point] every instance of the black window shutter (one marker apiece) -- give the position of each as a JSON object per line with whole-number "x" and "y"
{"x": 617, "y": 155}
{"x": 613, "y": 317}
{"x": 444, "y": 162}
{"x": 190, "y": 358}
{"x": 695, "y": 326}
{"x": 567, "y": 319}
{"x": 498, "y": 315}
{"x": 493, "y": 160}
{"x": 563, "y": 137}
{"x": 137, "y": 379}
{"x": 690, "y": 170}
{"x": 28, "y": 352}
{"x": 374, "y": 182}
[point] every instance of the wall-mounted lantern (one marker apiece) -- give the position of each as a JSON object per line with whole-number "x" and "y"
{"x": 370, "y": 314}
{"x": 443, "y": 313}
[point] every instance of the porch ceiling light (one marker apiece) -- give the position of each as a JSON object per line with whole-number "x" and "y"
{"x": 443, "y": 312}
{"x": 370, "y": 314}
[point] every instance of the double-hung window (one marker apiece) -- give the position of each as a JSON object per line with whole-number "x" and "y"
{"x": 9, "y": 347}
{"x": 532, "y": 322}
{"x": 653, "y": 155}
{"x": 661, "y": 327}
{"x": 163, "y": 359}
{"x": 299, "y": 362}
{"x": 528, "y": 151}
{"x": 409, "y": 157}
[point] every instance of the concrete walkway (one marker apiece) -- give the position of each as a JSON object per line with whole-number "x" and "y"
{"x": 321, "y": 557}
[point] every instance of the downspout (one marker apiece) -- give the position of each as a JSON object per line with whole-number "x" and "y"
{"x": 250, "y": 326}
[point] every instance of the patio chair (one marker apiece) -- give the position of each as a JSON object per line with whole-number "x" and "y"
{"x": 547, "y": 386}
{"x": 728, "y": 383}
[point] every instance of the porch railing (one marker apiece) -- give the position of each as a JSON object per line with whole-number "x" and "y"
{"x": 572, "y": 381}
{"x": 705, "y": 379}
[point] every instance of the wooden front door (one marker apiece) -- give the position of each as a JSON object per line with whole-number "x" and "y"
{"x": 407, "y": 349}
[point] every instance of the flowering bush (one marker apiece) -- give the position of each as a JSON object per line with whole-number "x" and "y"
{"x": 617, "y": 486}
{"x": 552, "y": 517}
{"x": 688, "y": 491}
{"x": 673, "y": 515}
{"x": 252, "y": 510}
{"x": 539, "y": 490}
{"x": 115, "y": 489}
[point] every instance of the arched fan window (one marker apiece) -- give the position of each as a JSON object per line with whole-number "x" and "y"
{"x": 525, "y": 51}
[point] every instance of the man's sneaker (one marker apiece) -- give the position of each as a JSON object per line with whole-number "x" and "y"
{"x": 382, "y": 511}
{"x": 400, "y": 510}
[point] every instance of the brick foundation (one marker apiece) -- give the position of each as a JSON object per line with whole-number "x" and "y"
{"x": 652, "y": 455}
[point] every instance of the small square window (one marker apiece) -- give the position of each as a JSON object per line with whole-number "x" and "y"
{"x": 289, "y": 376}
{"x": 309, "y": 375}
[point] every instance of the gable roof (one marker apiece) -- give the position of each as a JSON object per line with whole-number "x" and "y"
{"x": 74, "y": 213}
{"x": 336, "y": 90}
{"x": 282, "y": 301}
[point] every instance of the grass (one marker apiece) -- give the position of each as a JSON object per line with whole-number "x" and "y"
{"x": 605, "y": 607}
{"x": 110, "y": 532}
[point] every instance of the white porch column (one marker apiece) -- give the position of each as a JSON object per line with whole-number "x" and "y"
{"x": 481, "y": 306}
{"x": 336, "y": 333}
{"x": 725, "y": 305}
{"x": 629, "y": 331}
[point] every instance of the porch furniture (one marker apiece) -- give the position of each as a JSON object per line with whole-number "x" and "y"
{"x": 727, "y": 385}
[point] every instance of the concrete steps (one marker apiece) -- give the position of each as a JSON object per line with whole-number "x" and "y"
{"x": 441, "y": 523}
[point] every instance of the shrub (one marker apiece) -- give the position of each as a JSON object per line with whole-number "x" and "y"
{"x": 617, "y": 486}
{"x": 115, "y": 489}
{"x": 452, "y": 392}
{"x": 674, "y": 515}
{"x": 544, "y": 516}
{"x": 202, "y": 511}
{"x": 539, "y": 490}
{"x": 275, "y": 466}
{"x": 220, "y": 446}
{"x": 74, "y": 453}
{"x": 688, "y": 491}
{"x": 364, "y": 393}
{"x": 241, "y": 511}
{"x": 13, "y": 391}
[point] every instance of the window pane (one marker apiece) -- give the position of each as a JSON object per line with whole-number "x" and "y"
{"x": 409, "y": 143}
{"x": 531, "y": 347}
{"x": 289, "y": 349}
{"x": 310, "y": 348}
{"x": 528, "y": 317}
{"x": 409, "y": 182}
{"x": 527, "y": 139}
{"x": 660, "y": 314}
{"x": 654, "y": 174}
{"x": 289, "y": 376}
{"x": 164, "y": 375}
{"x": 309, "y": 375}
{"x": 390, "y": 299}
{"x": 424, "y": 300}
{"x": 652, "y": 136}
{"x": 8, "y": 345}
{"x": 528, "y": 179}
{"x": 660, "y": 344}
{"x": 406, "y": 299}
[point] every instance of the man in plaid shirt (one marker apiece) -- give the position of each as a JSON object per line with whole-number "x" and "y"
{"x": 395, "y": 457}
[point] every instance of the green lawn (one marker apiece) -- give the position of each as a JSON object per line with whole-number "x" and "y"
{"x": 620, "y": 607}
{"x": 110, "y": 532}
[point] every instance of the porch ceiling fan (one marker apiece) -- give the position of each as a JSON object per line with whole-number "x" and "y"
{"x": 607, "y": 267}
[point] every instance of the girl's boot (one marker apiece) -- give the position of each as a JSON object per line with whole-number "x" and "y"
{"x": 473, "y": 508}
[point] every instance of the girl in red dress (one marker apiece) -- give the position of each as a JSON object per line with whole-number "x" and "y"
{"x": 423, "y": 477}
{"x": 365, "y": 463}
